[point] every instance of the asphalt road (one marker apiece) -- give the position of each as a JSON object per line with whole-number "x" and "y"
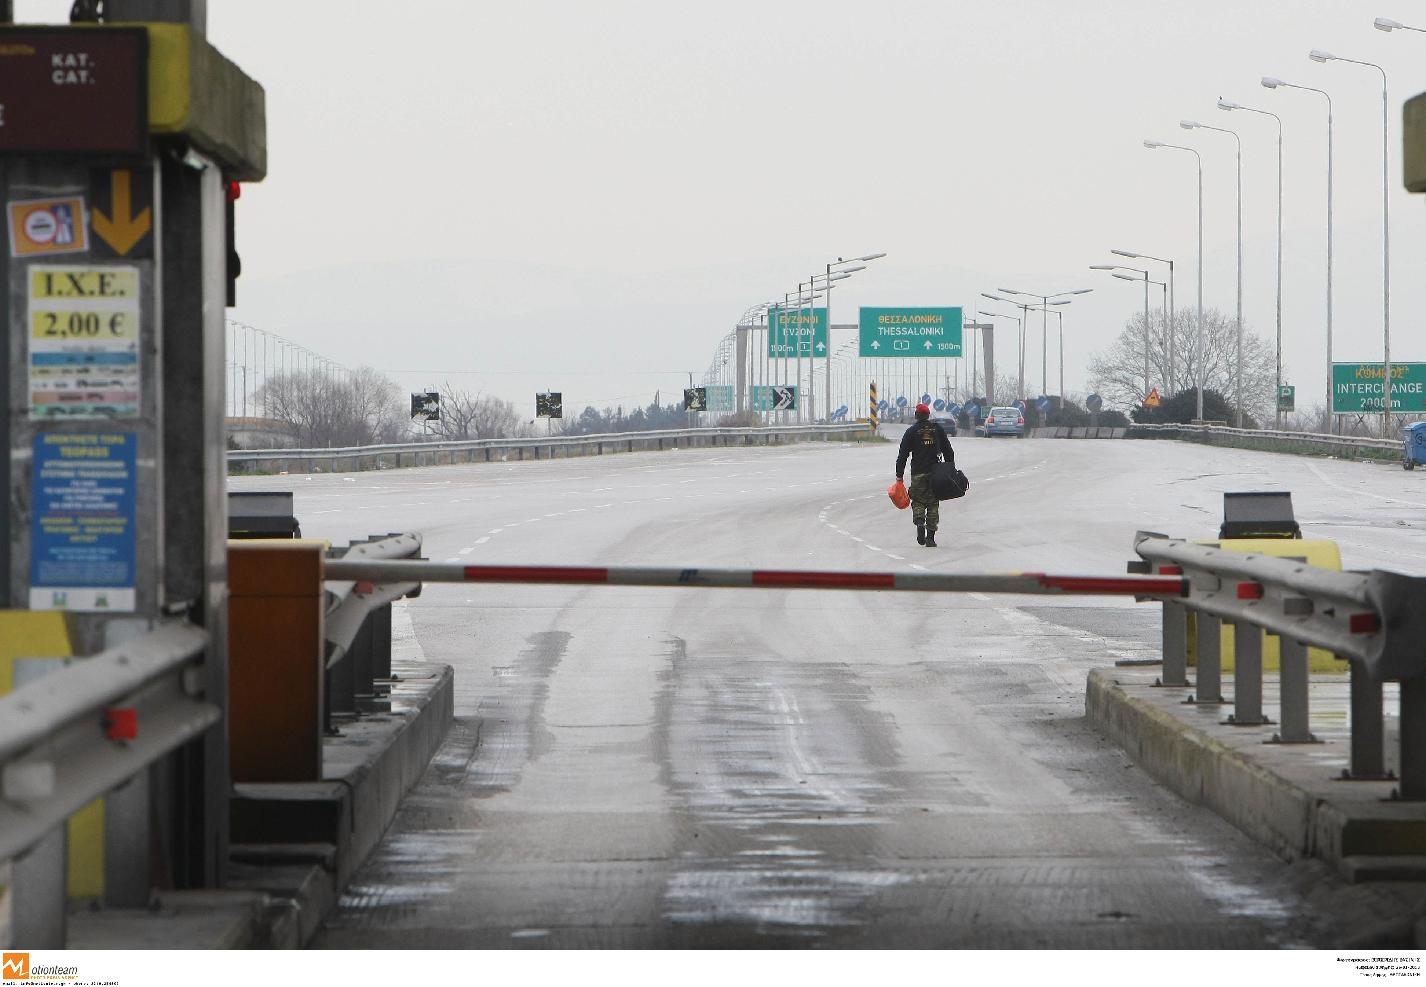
{"x": 694, "y": 767}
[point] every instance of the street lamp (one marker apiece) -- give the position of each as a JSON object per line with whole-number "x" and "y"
{"x": 1155, "y": 145}
{"x": 1024, "y": 308}
{"x": 1224, "y": 104}
{"x": 1019, "y": 333}
{"x": 1169, "y": 319}
{"x": 1238, "y": 368}
{"x": 1044, "y": 319}
{"x": 1322, "y": 56}
{"x": 1270, "y": 82}
{"x": 1382, "y": 24}
{"x": 1115, "y": 270}
{"x": 846, "y": 267}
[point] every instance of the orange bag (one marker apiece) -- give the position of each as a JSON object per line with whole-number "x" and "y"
{"x": 899, "y": 496}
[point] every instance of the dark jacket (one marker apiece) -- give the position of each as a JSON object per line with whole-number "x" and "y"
{"x": 925, "y": 442}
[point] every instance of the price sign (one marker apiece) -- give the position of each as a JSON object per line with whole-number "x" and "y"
{"x": 84, "y": 342}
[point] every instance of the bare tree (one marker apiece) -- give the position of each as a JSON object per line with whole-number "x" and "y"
{"x": 466, "y": 415}
{"x": 1118, "y": 373}
{"x": 327, "y": 408}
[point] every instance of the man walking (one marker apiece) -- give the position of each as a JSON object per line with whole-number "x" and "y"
{"x": 924, "y": 443}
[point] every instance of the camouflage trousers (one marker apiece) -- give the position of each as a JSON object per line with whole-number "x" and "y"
{"x": 925, "y": 508}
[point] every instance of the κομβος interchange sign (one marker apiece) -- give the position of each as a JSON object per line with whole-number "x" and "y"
{"x": 1356, "y": 387}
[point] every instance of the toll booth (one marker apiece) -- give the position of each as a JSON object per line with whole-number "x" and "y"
{"x": 121, "y": 144}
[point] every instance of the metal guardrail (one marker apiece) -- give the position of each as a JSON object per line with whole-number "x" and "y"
{"x": 1375, "y": 620}
{"x": 551, "y": 447}
{"x": 1310, "y": 442}
{"x": 80, "y": 732}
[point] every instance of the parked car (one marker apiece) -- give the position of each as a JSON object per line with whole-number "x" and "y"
{"x": 946, "y": 422}
{"x": 1005, "y": 421}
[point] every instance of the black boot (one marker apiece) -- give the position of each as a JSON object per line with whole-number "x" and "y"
{"x": 930, "y": 541}
{"x": 920, "y": 533}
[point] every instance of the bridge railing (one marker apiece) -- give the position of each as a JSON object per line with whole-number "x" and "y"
{"x": 1374, "y": 620}
{"x": 548, "y": 447}
{"x": 81, "y": 731}
{"x": 1274, "y": 440}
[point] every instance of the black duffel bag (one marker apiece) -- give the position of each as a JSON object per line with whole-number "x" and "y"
{"x": 947, "y": 482}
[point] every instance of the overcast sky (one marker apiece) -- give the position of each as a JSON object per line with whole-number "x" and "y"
{"x": 585, "y": 196}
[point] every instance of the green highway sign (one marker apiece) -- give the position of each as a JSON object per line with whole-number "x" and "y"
{"x": 1356, "y": 387}
{"x": 775, "y": 397}
{"x": 910, "y": 332}
{"x": 797, "y": 332}
{"x": 1287, "y": 398}
{"x": 720, "y": 397}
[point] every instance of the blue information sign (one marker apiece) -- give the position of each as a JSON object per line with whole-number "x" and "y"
{"x": 901, "y": 402}
{"x": 82, "y": 528}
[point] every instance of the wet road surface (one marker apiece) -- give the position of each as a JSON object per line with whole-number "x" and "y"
{"x": 692, "y": 767}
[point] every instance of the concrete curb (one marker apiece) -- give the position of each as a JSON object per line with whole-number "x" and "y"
{"x": 301, "y": 843}
{"x": 1293, "y": 804}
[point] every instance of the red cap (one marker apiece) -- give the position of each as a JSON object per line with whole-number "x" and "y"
{"x": 922, "y": 409}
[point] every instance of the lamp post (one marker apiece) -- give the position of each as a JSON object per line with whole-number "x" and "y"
{"x": 846, "y": 267}
{"x": 823, "y": 283}
{"x": 1044, "y": 319}
{"x": 1224, "y": 104}
{"x": 1238, "y": 361}
{"x": 1170, "y": 316}
{"x": 1019, "y": 330}
{"x": 1147, "y": 281}
{"x": 1382, "y": 24}
{"x": 1322, "y": 56}
{"x": 1199, "y": 369}
{"x": 1269, "y": 82}
{"x": 1386, "y": 244}
{"x": 1022, "y": 322}
{"x": 1114, "y": 269}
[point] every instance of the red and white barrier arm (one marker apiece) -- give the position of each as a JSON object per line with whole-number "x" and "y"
{"x": 1036, "y": 583}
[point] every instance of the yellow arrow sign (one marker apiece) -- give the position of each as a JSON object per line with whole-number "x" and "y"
{"x": 121, "y": 230}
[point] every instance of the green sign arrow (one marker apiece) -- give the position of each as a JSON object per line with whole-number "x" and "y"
{"x": 793, "y": 332}
{"x": 910, "y": 332}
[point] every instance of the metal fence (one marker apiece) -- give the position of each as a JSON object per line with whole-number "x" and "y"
{"x": 1374, "y": 620}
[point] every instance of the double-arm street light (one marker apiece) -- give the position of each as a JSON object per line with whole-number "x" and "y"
{"x": 1238, "y": 362}
{"x": 1322, "y": 56}
{"x": 1199, "y": 368}
{"x": 1224, "y": 104}
{"x": 1270, "y": 82}
{"x": 1023, "y": 321}
{"x": 1044, "y": 319}
{"x": 1170, "y": 314}
{"x": 1116, "y": 269}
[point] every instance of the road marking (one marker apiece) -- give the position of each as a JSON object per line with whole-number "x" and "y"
{"x": 496, "y": 531}
{"x": 467, "y": 550}
{"x": 482, "y": 540}
{"x": 979, "y": 596}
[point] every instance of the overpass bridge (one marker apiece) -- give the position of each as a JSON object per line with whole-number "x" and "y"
{"x": 651, "y": 767}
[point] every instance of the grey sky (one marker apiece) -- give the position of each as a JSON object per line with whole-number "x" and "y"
{"x": 589, "y": 190}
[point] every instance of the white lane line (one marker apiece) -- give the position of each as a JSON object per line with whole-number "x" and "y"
{"x": 979, "y": 596}
{"x": 855, "y": 538}
{"x": 453, "y": 558}
{"x": 898, "y": 558}
{"x": 467, "y": 550}
{"x": 496, "y": 531}
{"x": 872, "y": 547}
{"x": 915, "y": 566}
{"x": 482, "y": 539}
